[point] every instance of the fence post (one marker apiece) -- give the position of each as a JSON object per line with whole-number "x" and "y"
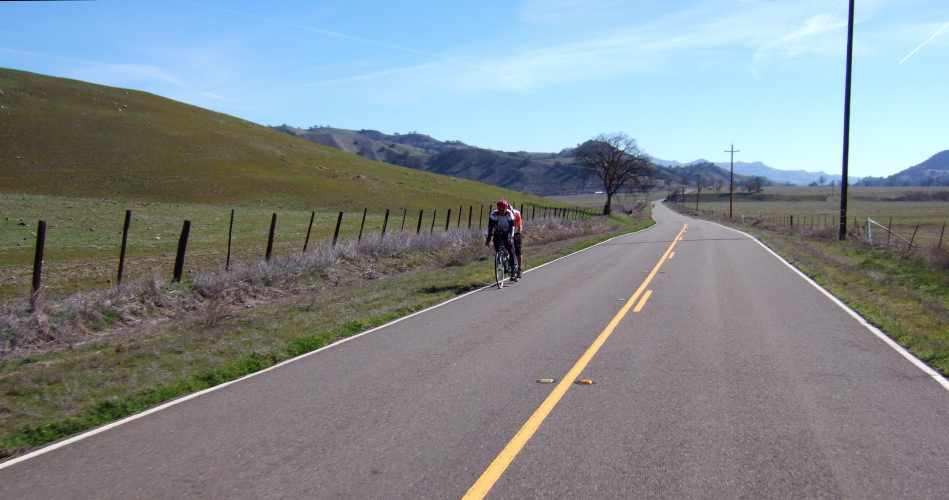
{"x": 460, "y": 209}
{"x": 418, "y": 230}
{"x": 230, "y": 233}
{"x": 273, "y": 230}
{"x": 481, "y": 218}
{"x": 38, "y": 266}
{"x": 434, "y": 215}
{"x": 307, "y": 240}
{"x": 448, "y": 220}
{"x": 913, "y": 239}
{"x": 125, "y": 241}
{"x": 385, "y": 224}
{"x": 470, "y": 213}
{"x": 180, "y": 256}
{"x": 405, "y": 211}
{"x": 339, "y": 221}
{"x": 362, "y": 225}
{"x": 940, "y": 236}
{"x": 889, "y": 229}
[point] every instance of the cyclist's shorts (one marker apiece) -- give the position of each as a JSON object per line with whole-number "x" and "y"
{"x": 500, "y": 241}
{"x": 517, "y": 244}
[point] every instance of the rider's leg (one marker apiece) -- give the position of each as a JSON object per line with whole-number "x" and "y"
{"x": 517, "y": 252}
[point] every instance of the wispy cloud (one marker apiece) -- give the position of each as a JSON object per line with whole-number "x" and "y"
{"x": 106, "y": 73}
{"x": 334, "y": 34}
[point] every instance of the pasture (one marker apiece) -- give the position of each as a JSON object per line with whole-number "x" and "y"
{"x": 819, "y": 207}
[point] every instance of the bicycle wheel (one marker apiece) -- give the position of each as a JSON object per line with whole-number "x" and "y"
{"x": 499, "y": 263}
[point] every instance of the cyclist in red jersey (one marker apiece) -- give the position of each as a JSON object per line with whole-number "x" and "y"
{"x": 518, "y": 229}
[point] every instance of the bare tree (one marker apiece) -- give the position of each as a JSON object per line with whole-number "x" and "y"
{"x": 753, "y": 185}
{"x": 617, "y": 161}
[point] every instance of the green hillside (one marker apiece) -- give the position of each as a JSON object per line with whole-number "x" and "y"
{"x": 64, "y": 137}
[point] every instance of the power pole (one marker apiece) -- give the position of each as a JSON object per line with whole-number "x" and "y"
{"x": 845, "y": 181}
{"x": 731, "y": 181}
{"x": 698, "y": 187}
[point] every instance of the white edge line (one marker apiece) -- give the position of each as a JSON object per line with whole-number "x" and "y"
{"x": 182, "y": 399}
{"x": 876, "y": 331}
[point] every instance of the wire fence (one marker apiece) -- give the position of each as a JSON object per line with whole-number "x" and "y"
{"x": 425, "y": 222}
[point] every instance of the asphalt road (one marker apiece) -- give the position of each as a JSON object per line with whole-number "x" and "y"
{"x": 715, "y": 370}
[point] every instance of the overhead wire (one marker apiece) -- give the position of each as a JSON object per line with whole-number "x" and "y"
{"x": 800, "y": 68}
{"x": 768, "y": 76}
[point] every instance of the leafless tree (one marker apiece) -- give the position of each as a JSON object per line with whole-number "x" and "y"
{"x": 617, "y": 161}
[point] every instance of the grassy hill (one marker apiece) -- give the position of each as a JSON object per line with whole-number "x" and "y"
{"x": 64, "y": 137}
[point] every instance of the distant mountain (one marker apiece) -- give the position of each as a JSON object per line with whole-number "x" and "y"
{"x": 758, "y": 169}
{"x": 549, "y": 174}
{"x": 796, "y": 177}
{"x": 543, "y": 174}
{"x": 932, "y": 172}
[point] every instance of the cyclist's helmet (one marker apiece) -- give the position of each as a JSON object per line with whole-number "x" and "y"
{"x": 502, "y": 205}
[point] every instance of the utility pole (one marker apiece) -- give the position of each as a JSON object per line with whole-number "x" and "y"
{"x": 845, "y": 181}
{"x": 698, "y": 187}
{"x": 731, "y": 181}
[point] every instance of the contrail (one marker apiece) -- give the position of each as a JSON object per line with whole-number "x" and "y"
{"x": 924, "y": 43}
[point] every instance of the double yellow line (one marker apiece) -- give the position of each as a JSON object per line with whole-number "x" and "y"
{"x": 491, "y": 475}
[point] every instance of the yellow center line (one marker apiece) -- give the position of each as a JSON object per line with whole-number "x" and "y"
{"x": 500, "y": 464}
{"x": 639, "y": 307}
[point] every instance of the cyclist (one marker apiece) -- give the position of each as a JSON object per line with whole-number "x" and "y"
{"x": 501, "y": 227}
{"x": 518, "y": 228}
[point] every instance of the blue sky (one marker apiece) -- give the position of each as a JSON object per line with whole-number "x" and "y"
{"x": 686, "y": 78}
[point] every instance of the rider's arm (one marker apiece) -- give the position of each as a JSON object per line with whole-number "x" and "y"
{"x": 491, "y": 225}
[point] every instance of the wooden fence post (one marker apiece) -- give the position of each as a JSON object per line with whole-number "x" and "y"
{"x": 941, "y": 233}
{"x": 448, "y": 220}
{"x": 38, "y": 266}
{"x": 913, "y": 239}
{"x": 418, "y": 230}
{"x": 310, "y": 228}
{"x": 273, "y": 230}
{"x": 460, "y": 208}
{"x": 125, "y": 242}
{"x": 470, "y": 213}
{"x": 339, "y": 222}
{"x": 405, "y": 211}
{"x": 385, "y": 224}
{"x": 364, "y": 211}
{"x": 180, "y": 257}
{"x": 230, "y": 233}
{"x": 434, "y": 215}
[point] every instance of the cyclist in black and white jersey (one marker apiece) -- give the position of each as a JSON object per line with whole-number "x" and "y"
{"x": 501, "y": 228}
